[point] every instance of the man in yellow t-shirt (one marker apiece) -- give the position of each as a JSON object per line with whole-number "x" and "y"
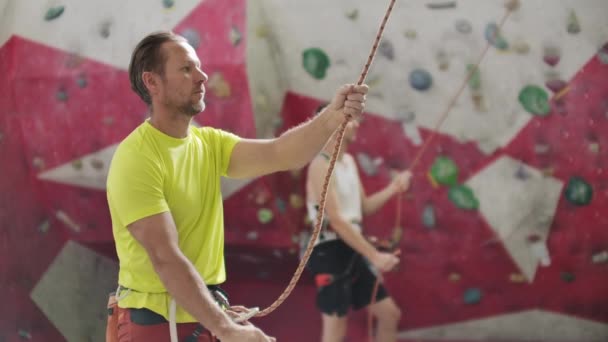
{"x": 163, "y": 191}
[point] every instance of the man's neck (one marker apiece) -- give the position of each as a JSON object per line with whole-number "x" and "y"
{"x": 172, "y": 124}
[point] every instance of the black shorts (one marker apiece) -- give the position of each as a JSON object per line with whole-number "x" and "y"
{"x": 352, "y": 281}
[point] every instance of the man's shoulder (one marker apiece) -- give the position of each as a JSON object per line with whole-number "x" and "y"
{"x": 133, "y": 145}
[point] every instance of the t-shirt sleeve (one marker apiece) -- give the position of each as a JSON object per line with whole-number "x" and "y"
{"x": 226, "y": 142}
{"x": 135, "y": 186}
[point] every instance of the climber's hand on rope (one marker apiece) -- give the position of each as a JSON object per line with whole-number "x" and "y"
{"x": 384, "y": 262}
{"x": 349, "y": 101}
{"x": 401, "y": 182}
{"x": 236, "y": 312}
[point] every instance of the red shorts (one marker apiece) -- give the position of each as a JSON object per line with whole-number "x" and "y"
{"x": 139, "y": 325}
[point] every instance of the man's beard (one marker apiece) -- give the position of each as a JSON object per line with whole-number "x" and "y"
{"x": 192, "y": 109}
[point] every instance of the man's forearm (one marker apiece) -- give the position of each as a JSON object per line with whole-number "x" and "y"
{"x": 190, "y": 291}
{"x": 296, "y": 147}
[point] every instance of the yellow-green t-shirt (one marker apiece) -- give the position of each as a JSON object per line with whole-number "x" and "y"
{"x": 152, "y": 173}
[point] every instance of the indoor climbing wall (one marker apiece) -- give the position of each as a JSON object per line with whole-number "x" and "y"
{"x": 503, "y": 233}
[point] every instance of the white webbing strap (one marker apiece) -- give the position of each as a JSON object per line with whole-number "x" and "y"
{"x": 172, "y": 321}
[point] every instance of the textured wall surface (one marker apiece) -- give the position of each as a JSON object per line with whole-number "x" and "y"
{"x": 504, "y": 229}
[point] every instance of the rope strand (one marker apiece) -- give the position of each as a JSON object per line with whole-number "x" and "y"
{"x": 340, "y": 134}
{"x": 423, "y": 149}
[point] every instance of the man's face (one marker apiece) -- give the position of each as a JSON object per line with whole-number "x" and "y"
{"x": 182, "y": 86}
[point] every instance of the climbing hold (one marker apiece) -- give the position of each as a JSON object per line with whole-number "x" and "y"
{"x": 265, "y": 215}
{"x": 386, "y": 49}
{"x": 44, "y": 226}
{"x": 61, "y": 95}
{"x": 420, "y": 79}
{"x": 475, "y": 80}
{"x": 521, "y": 47}
{"x": 315, "y": 62}
{"x": 494, "y": 37}
{"x": 539, "y": 250}
{"x": 600, "y": 258}
{"x": 74, "y": 60}
{"x": 38, "y": 163}
{"x": 472, "y": 296}
{"x": 262, "y": 195}
{"x": 548, "y": 172}
{"x": 444, "y": 171}
{"x": 517, "y": 278}
{"x": 168, "y": 3}
{"x": 573, "y": 26}
{"x": 568, "y": 277}
{"x": 454, "y": 277}
{"x": 296, "y": 201}
{"x": 410, "y": 34}
{"x": 535, "y": 100}
{"x": 192, "y": 36}
{"x": 235, "y": 36}
{"x": 219, "y": 86}
{"x": 602, "y": 54}
{"x": 77, "y": 164}
{"x": 252, "y": 235}
{"x": 462, "y": 196}
{"x": 368, "y": 165}
{"x": 428, "y": 216}
{"x": 81, "y": 80}
{"x": 97, "y": 164}
{"x": 512, "y": 5}
{"x": 594, "y": 147}
{"x": 463, "y": 26}
{"x": 578, "y": 191}
{"x": 552, "y": 55}
{"x": 442, "y": 60}
{"x": 522, "y": 173}
{"x": 24, "y": 334}
{"x": 54, "y": 13}
{"x": 556, "y": 85}
{"x": 262, "y": 31}
{"x": 280, "y": 204}
{"x": 441, "y": 4}
{"x": 104, "y": 29}
{"x": 352, "y": 14}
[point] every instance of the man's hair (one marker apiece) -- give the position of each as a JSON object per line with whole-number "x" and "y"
{"x": 148, "y": 56}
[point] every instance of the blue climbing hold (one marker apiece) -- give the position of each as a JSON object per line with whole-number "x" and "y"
{"x": 421, "y": 79}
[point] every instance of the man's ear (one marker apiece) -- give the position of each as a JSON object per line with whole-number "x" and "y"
{"x": 150, "y": 81}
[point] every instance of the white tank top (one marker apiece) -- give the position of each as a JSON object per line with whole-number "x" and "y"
{"x": 348, "y": 192}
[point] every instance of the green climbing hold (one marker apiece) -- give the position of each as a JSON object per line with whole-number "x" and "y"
{"x": 475, "y": 80}
{"x": 472, "y": 296}
{"x": 315, "y": 62}
{"x": 265, "y": 215}
{"x": 444, "y": 171}
{"x": 54, "y": 13}
{"x": 168, "y": 3}
{"x": 535, "y": 100}
{"x": 567, "y": 277}
{"x": 578, "y": 191}
{"x": 463, "y": 197}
